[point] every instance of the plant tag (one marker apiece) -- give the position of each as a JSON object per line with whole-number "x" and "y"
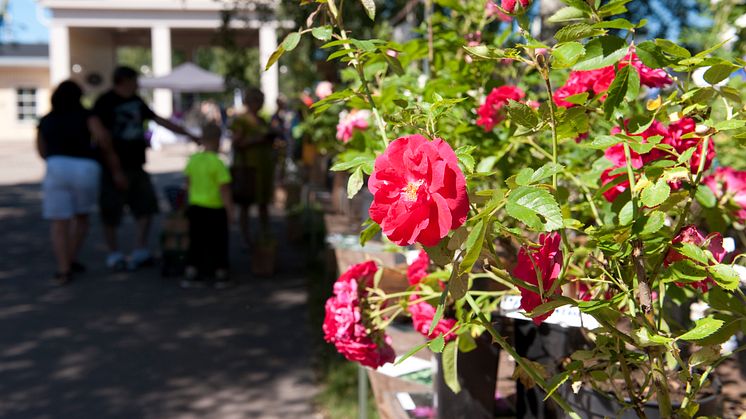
{"x": 565, "y": 316}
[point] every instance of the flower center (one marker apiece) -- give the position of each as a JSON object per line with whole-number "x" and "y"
{"x": 410, "y": 191}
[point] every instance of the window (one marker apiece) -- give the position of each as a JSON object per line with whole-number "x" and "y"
{"x": 26, "y": 104}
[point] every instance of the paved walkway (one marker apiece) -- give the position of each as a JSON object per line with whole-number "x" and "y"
{"x": 133, "y": 345}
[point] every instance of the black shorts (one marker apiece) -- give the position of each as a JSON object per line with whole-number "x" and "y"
{"x": 139, "y": 197}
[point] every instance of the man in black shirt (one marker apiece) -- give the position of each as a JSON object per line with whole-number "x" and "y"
{"x": 124, "y": 114}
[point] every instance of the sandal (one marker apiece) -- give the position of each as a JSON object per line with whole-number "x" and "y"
{"x": 62, "y": 278}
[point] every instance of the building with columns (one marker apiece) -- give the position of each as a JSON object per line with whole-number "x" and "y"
{"x": 84, "y": 36}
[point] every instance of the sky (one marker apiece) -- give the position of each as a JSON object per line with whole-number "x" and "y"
{"x": 23, "y": 24}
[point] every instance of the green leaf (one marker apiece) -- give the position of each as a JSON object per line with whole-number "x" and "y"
{"x": 439, "y": 253}
{"x": 322, "y": 33}
{"x": 486, "y": 164}
{"x": 566, "y": 14}
{"x": 656, "y": 193}
{"x": 725, "y": 276}
{"x": 617, "y": 91}
{"x": 369, "y": 232}
{"x": 693, "y": 252}
{"x": 548, "y": 306}
{"x": 653, "y": 222}
{"x": 705, "y": 197}
{"x": 394, "y": 64}
{"x": 719, "y": 72}
{"x": 527, "y": 176}
{"x": 412, "y": 352}
{"x": 370, "y": 8}
{"x": 556, "y": 382}
{"x": 702, "y": 328}
{"x": 473, "y": 245}
{"x": 436, "y": 318}
{"x": 436, "y": 345}
{"x": 291, "y": 41}
{"x": 458, "y": 285}
{"x": 602, "y": 52}
{"x": 633, "y": 86}
{"x": 357, "y": 161}
{"x": 567, "y": 54}
{"x": 355, "y": 183}
{"x": 534, "y": 207}
{"x": 465, "y": 158}
{"x": 645, "y": 338}
{"x": 576, "y": 31}
{"x": 672, "y": 48}
{"x": 651, "y": 55}
{"x": 274, "y": 57}
{"x": 522, "y": 114}
{"x": 615, "y": 24}
{"x": 686, "y": 271}
{"x": 450, "y": 366}
{"x": 729, "y": 124}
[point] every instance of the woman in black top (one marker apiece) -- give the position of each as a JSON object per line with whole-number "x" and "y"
{"x": 71, "y": 140}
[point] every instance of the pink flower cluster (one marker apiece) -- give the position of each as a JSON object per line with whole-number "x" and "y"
{"x": 598, "y": 81}
{"x": 423, "y": 312}
{"x": 345, "y": 320}
{"x": 730, "y": 184}
{"x": 691, "y": 234}
{"x": 547, "y": 258}
{"x": 672, "y": 136}
{"x": 419, "y": 191}
{"x": 490, "y": 113}
{"x": 356, "y": 119}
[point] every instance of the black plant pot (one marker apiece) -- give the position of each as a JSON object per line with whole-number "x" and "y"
{"x": 590, "y": 404}
{"x": 477, "y": 374}
{"x": 547, "y": 344}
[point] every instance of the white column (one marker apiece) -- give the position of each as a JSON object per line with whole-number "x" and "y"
{"x": 270, "y": 78}
{"x": 160, "y": 38}
{"x": 59, "y": 53}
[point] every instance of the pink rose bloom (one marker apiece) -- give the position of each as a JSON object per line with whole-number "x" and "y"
{"x": 345, "y": 323}
{"x": 548, "y": 259}
{"x": 612, "y": 193}
{"x": 676, "y": 130}
{"x": 729, "y": 182}
{"x": 350, "y": 121}
{"x": 691, "y": 234}
{"x": 422, "y": 315}
{"x": 419, "y": 268}
{"x": 510, "y": 5}
{"x": 419, "y": 192}
{"x": 490, "y": 112}
{"x": 324, "y": 89}
{"x": 648, "y": 76}
{"x": 492, "y": 10}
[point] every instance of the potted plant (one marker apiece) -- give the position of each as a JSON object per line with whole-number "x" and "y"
{"x": 591, "y": 154}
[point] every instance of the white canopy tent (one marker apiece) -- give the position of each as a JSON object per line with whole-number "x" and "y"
{"x": 187, "y": 78}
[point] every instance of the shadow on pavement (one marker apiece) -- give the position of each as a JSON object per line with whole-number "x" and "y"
{"x": 134, "y": 345}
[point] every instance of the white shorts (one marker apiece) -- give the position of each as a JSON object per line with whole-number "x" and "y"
{"x": 70, "y": 187}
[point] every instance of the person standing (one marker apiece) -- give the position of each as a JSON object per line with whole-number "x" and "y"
{"x": 253, "y": 168}
{"x": 71, "y": 139}
{"x": 124, "y": 113}
{"x": 209, "y": 212}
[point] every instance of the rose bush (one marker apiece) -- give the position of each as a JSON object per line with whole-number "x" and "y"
{"x": 597, "y": 197}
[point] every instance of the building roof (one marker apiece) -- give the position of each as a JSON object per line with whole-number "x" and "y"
{"x": 24, "y": 55}
{"x": 24, "y": 50}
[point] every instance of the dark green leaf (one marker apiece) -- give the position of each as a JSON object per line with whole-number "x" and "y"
{"x": 651, "y": 55}
{"x": 369, "y": 232}
{"x": 672, "y": 48}
{"x": 617, "y": 91}
{"x": 439, "y": 253}
{"x": 705, "y": 197}
{"x": 274, "y": 57}
{"x": 566, "y": 14}
{"x": 602, "y": 52}
{"x": 522, "y": 114}
{"x": 576, "y": 31}
{"x": 534, "y": 207}
{"x": 473, "y": 245}
{"x": 719, "y": 72}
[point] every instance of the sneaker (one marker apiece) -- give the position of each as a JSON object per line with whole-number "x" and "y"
{"x": 139, "y": 258}
{"x": 115, "y": 261}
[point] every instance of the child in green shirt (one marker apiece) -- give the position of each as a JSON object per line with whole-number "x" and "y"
{"x": 209, "y": 212}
